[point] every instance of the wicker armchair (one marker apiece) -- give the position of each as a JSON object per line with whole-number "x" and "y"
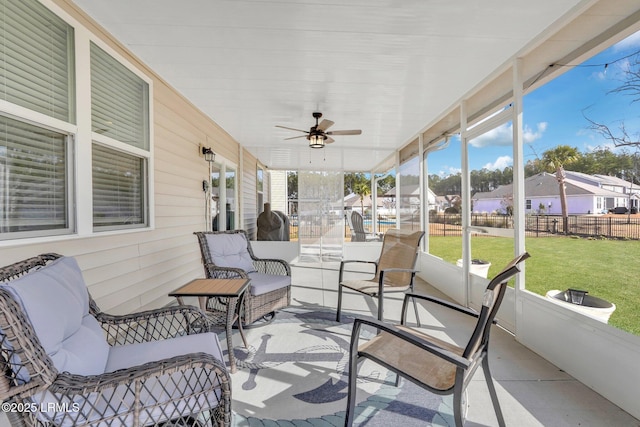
{"x": 158, "y": 370}
{"x": 228, "y": 254}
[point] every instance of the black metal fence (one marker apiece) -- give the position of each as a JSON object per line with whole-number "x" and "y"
{"x": 610, "y": 226}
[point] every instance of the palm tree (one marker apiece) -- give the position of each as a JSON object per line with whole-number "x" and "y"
{"x": 556, "y": 159}
{"x": 362, "y": 189}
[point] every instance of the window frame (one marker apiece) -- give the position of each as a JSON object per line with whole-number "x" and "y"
{"x": 145, "y": 154}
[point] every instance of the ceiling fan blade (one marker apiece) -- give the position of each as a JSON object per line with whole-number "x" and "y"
{"x": 345, "y": 132}
{"x": 324, "y": 125}
{"x": 295, "y": 137}
{"x": 298, "y": 130}
{"x": 329, "y": 140}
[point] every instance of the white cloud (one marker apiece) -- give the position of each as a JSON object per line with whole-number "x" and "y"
{"x": 631, "y": 42}
{"x": 448, "y": 170}
{"x": 495, "y": 137}
{"x": 529, "y": 136}
{"x": 500, "y": 163}
{"x": 503, "y": 135}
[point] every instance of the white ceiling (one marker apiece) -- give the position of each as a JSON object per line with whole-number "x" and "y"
{"x": 387, "y": 67}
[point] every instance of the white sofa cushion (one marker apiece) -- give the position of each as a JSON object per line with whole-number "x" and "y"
{"x": 125, "y": 356}
{"x": 56, "y": 301}
{"x": 230, "y": 250}
{"x": 165, "y": 389}
{"x": 262, "y": 283}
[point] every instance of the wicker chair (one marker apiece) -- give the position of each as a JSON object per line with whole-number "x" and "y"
{"x": 394, "y": 270}
{"x": 435, "y": 365}
{"x": 228, "y": 254}
{"x": 162, "y": 367}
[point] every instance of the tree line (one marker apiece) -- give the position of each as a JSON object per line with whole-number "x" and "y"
{"x": 601, "y": 161}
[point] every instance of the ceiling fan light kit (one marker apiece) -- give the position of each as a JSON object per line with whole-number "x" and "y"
{"x": 317, "y": 135}
{"x": 316, "y": 141}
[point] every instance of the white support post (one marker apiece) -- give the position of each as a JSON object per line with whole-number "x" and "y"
{"x": 518, "y": 181}
{"x": 374, "y": 203}
{"x": 398, "y": 179}
{"x": 466, "y": 202}
{"x": 424, "y": 196}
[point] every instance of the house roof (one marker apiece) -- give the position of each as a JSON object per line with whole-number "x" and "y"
{"x": 614, "y": 180}
{"x": 545, "y": 184}
{"x": 411, "y": 190}
{"x": 353, "y": 199}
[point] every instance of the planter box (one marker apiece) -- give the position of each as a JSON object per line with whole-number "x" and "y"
{"x": 596, "y": 308}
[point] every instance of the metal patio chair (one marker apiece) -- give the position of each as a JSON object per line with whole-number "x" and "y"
{"x": 429, "y": 362}
{"x": 394, "y": 269}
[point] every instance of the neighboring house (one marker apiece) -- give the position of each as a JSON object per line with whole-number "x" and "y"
{"x": 447, "y": 201}
{"x": 612, "y": 183}
{"x": 352, "y": 202}
{"x": 411, "y": 192}
{"x": 584, "y": 196}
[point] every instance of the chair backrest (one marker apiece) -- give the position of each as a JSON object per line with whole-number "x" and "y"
{"x": 357, "y": 227}
{"x": 493, "y": 296}
{"x": 47, "y": 324}
{"x": 229, "y": 248}
{"x": 399, "y": 250}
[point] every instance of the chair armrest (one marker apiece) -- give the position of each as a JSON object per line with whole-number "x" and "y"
{"x": 272, "y": 266}
{"x": 436, "y": 300}
{"x": 203, "y": 386}
{"x": 217, "y": 272}
{"x": 153, "y": 325}
{"x": 443, "y": 353}
{"x": 348, "y": 261}
{"x": 405, "y": 270}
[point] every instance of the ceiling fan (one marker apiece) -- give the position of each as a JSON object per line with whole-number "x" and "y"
{"x": 318, "y": 135}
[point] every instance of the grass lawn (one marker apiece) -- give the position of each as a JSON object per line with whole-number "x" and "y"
{"x": 608, "y": 269}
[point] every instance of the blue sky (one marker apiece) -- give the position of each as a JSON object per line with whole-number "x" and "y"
{"x": 554, "y": 114}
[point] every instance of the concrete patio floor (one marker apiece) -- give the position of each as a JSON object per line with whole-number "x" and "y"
{"x": 532, "y": 391}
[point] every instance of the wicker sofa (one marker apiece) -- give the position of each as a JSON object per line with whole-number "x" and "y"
{"x": 66, "y": 363}
{"x": 228, "y": 254}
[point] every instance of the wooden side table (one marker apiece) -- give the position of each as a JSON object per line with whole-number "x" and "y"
{"x": 230, "y": 289}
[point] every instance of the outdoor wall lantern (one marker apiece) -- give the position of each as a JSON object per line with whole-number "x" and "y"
{"x": 208, "y": 154}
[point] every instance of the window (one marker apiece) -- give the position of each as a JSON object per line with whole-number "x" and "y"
{"x": 119, "y": 101}
{"x": 39, "y": 128}
{"x": 37, "y": 66}
{"x": 37, "y": 81}
{"x": 119, "y": 119}
{"x": 528, "y": 204}
{"x": 260, "y": 189}
{"x": 118, "y": 189}
{"x": 34, "y": 177}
